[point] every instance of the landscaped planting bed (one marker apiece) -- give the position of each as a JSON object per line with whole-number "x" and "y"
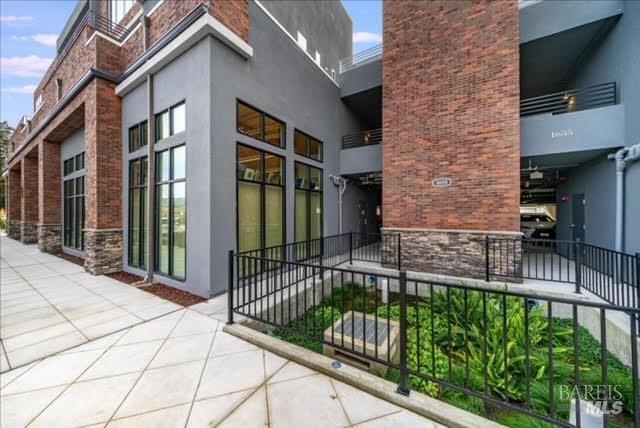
{"x": 450, "y": 330}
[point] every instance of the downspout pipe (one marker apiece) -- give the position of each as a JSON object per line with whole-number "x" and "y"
{"x": 341, "y": 182}
{"x": 623, "y": 158}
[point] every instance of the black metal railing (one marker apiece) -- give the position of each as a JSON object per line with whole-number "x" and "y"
{"x": 364, "y": 138}
{"x": 330, "y": 251}
{"x": 108, "y": 27}
{"x": 364, "y": 57}
{"x": 611, "y": 275}
{"x": 488, "y": 347}
{"x": 571, "y": 100}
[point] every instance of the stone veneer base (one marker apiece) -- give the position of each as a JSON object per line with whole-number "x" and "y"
{"x": 451, "y": 252}
{"x": 103, "y": 251}
{"x": 28, "y": 233}
{"x": 50, "y": 237}
{"x": 13, "y": 229}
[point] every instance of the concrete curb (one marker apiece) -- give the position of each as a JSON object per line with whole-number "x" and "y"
{"x": 428, "y": 407}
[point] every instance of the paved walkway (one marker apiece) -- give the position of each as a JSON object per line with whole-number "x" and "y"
{"x": 183, "y": 370}
{"x": 48, "y": 304}
{"x": 176, "y": 370}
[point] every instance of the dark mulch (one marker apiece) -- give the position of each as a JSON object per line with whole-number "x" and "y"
{"x": 126, "y": 277}
{"x": 68, "y": 257}
{"x": 172, "y": 294}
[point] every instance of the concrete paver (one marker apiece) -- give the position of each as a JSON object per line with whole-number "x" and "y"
{"x": 48, "y": 305}
{"x": 177, "y": 370}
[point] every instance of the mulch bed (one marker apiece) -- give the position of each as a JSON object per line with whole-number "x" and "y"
{"x": 126, "y": 277}
{"x": 68, "y": 257}
{"x": 173, "y": 295}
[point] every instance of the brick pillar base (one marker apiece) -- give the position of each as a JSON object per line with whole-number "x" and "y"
{"x": 28, "y": 232}
{"x": 103, "y": 251}
{"x": 13, "y": 229}
{"x": 49, "y": 237}
{"x": 458, "y": 253}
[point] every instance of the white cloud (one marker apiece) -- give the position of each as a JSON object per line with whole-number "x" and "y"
{"x": 366, "y": 37}
{"x": 24, "y": 66}
{"x": 15, "y": 19}
{"x": 45, "y": 39}
{"x": 26, "y": 89}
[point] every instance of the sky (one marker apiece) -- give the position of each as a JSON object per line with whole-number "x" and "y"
{"x": 29, "y": 29}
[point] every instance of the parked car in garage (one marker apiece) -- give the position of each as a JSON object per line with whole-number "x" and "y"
{"x": 537, "y": 223}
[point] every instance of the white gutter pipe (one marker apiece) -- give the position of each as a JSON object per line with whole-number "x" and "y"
{"x": 623, "y": 157}
{"x": 341, "y": 182}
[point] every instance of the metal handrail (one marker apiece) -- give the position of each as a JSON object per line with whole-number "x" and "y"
{"x": 571, "y": 100}
{"x": 363, "y": 138}
{"x": 361, "y": 58}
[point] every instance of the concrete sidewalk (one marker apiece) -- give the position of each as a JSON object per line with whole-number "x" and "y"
{"x": 48, "y": 304}
{"x": 183, "y": 370}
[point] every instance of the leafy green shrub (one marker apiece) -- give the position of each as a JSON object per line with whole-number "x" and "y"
{"x": 312, "y": 324}
{"x": 3, "y": 223}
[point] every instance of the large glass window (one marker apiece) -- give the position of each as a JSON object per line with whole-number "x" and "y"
{"x": 307, "y": 146}
{"x": 256, "y": 124}
{"x": 138, "y": 212}
{"x": 138, "y": 136}
{"x": 118, "y": 9}
{"x": 171, "y": 212}
{"x": 171, "y": 121}
{"x": 260, "y": 199}
{"x": 308, "y": 212}
{"x": 73, "y": 202}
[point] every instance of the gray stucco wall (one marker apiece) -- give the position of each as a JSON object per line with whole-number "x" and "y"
{"x": 325, "y": 24}
{"x": 546, "y": 134}
{"x": 283, "y": 82}
{"x": 596, "y": 180}
{"x": 70, "y": 147}
{"x": 617, "y": 58}
{"x": 280, "y": 80}
{"x": 549, "y": 17}
{"x": 186, "y": 78}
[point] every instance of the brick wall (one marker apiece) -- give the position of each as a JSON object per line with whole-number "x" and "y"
{"x": 69, "y": 69}
{"x": 29, "y": 180}
{"x": 14, "y": 195}
{"x": 451, "y": 109}
{"x": 232, "y": 13}
{"x": 49, "y": 183}
{"x": 103, "y": 156}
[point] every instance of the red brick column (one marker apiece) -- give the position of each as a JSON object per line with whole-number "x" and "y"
{"x": 14, "y": 202}
{"x": 49, "y": 199}
{"x": 29, "y": 209}
{"x": 450, "y": 111}
{"x": 103, "y": 161}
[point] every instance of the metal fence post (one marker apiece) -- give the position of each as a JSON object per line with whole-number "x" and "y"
{"x": 637, "y": 280}
{"x": 351, "y": 248}
{"x": 230, "y": 289}
{"x": 486, "y": 258}
{"x": 403, "y": 388}
{"x": 399, "y": 251}
{"x": 578, "y": 267}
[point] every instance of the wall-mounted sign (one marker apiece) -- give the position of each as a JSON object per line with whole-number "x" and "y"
{"x": 562, "y": 133}
{"x": 442, "y": 182}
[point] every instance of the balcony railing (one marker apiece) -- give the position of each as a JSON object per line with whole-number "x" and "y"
{"x": 360, "y": 58}
{"x": 571, "y": 100}
{"x": 364, "y": 138}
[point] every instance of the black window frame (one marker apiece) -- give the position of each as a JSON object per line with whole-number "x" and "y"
{"x": 263, "y": 129}
{"x": 156, "y": 226}
{"x": 142, "y": 136}
{"x": 263, "y": 183}
{"x": 169, "y": 111}
{"x": 309, "y": 138}
{"x": 74, "y": 199}
{"x": 309, "y": 192}
{"x": 143, "y": 213}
